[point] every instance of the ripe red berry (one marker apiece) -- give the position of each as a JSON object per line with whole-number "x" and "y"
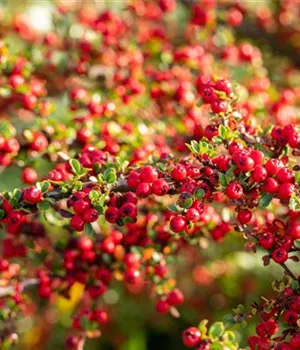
{"x": 91, "y": 215}
{"x": 162, "y": 307}
{"x": 294, "y": 230}
{"x": 285, "y": 191}
{"x": 81, "y": 205}
{"x": 272, "y": 166}
{"x": 244, "y": 216}
{"x": 29, "y": 176}
{"x": 72, "y": 342}
{"x": 179, "y": 173}
{"x": 175, "y": 297}
{"x": 295, "y": 341}
{"x": 84, "y": 243}
{"x": 132, "y": 276}
{"x": 178, "y": 223}
{"x": 77, "y": 223}
{"x": 266, "y": 240}
{"x": 219, "y": 106}
{"x": 235, "y": 17}
{"x": 112, "y": 215}
{"x": 285, "y": 175}
{"x": 100, "y": 316}
{"x": 160, "y": 187}
{"x": 128, "y": 210}
{"x": 234, "y": 190}
{"x": 32, "y": 195}
{"x": 259, "y": 173}
{"x": 290, "y": 316}
{"x": 148, "y": 174}
{"x": 280, "y": 255}
{"x": 133, "y": 179}
{"x": 192, "y": 215}
{"x": 143, "y": 190}
{"x": 270, "y": 185}
{"x": 191, "y": 337}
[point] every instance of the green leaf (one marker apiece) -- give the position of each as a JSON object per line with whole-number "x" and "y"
{"x": 173, "y": 207}
{"x": 110, "y": 175}
{"x": 265, "y": 200}
{"x": 223, "y": 179}
{"x": 216, "y": 330}
{"x": 88, "y": 229}
{"x": 94, "y": 196}
{"x": 76, "y": 167}
{"x": 297, "y": 177}
{"x": 217, "y": 346}
{"x": 2, "y": 213}
{"x": 45, "y": 186}
{"x": 187, "y": 203}
{"x": 199, "y": 193}
{"x": 224, "y": 132}
{"x": 45, "y": 205}
{"x": 295, "y": 285}
{"x": 203, "y": 327}
{"x": 294, "y": 203}
{"x": 229, "y": 336}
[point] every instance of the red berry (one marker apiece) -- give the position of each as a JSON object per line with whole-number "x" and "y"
{"x": 133, "y": 179}
{"x": 295, "y": 341}
{"x": 84, "y": 243}
{"x": 112, "y": 215}
{"x": 91, "y": 215}
{"x": 259, "y": 173}
{"x": 266, "y": 240}
{"x": 192, "y": 215}
{"x": 285, "y": 175}
{"x": 160, "y": 187}
{"x": 29, "y": 176}
{"x": 81, "y": 205}
{"x": 32, "y": 195}
{"x": 191, "y": 337}
{"x": 175, "y": 297}
{"x": 219, "y": 106}
{"x": 143, "y": 190}
{"x": 294, "y": 230}
{"x": 179, "y": 173}
{"x": 132, "y": 276}
{"x": 77, "y": 223}
{"x": 128, "y": 210}
{"x": 235, "y": 17}
{"x": 257, "y": 156}
{"x": 244, "y": 216}
{"x": 234, "y": 190}
{"x": 270, "y": 185}
{"x": 290, "y": 316}
{"x": 148, "y": 174}
{"x": 272, "y": 166}
{"x": 162, "y": 307}
{"x": 100, "y": 316}
{"x": 285, "y": 191}
{"x": 178, "y": 223}
{"x": 280, "y": 255}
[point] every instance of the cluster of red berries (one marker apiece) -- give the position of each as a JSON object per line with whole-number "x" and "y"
{"x": 147, "y": 181}
{"x": 217, "y": 93}
{"x": 121, "y": 207}
{"x": 279, "y": 238}
{"x": 84, "y": 212}
{"x": 288, "y": 308}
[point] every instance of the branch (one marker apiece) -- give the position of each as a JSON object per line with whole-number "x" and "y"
{"x": 8, "y": 290}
